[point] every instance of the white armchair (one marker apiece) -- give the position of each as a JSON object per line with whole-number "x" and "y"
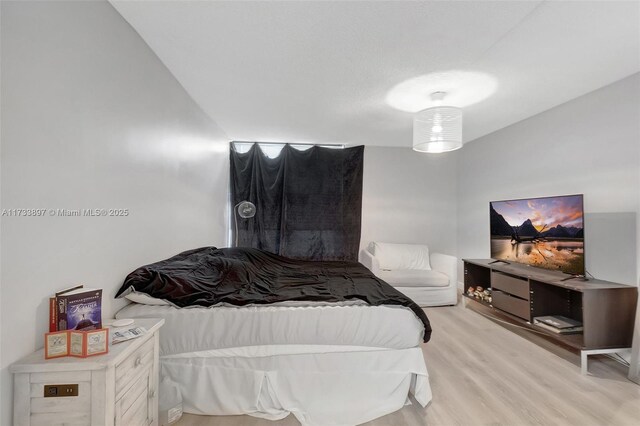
{"x": 430, "y": 280}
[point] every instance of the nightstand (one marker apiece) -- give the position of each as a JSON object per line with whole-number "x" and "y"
{"x": 118, "y": 388}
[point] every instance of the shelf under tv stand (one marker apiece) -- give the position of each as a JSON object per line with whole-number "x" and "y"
{"x": 521, "y": 293}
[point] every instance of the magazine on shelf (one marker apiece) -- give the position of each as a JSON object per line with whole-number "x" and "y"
{"x": 558, "y": 321}
{"x": 559, "y": 324}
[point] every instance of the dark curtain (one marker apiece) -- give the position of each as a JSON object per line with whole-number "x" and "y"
{"x": 308, "y": 203}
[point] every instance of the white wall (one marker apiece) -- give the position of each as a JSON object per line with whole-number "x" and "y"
{"x": 590, "y": 145}
{"x": 92, "y": 119}
{"x": 2, "y": 374}
{"x": 634, "y": 358}
{"x": 409, "y": 198}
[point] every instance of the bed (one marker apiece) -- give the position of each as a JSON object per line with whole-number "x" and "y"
{"x": 326, "y": 341}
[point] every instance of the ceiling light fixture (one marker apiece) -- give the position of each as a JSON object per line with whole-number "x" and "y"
{"x": 439, "y": 128}
{"x": 463, "y": 88}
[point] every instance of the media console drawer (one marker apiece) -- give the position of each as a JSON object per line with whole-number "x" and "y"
{"x": 509, "y": 284}
{"x": 513, "y": 305}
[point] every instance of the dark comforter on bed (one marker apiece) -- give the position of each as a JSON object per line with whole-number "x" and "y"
{"x": 241, "y": 276}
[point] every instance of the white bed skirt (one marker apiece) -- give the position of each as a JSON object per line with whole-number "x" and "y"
{"x": 331, "y": 388}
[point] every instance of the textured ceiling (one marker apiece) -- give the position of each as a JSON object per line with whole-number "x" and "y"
{"x": 320, "y": 71}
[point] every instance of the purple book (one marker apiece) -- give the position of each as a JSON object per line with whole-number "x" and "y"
{"x": 80, "y": 309}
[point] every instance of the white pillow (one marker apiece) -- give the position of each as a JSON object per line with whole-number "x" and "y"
{"x": 402, "y": 256}
{"x": 145, "y": 299}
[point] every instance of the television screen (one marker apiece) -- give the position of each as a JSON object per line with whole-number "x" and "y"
{"x": 545, "y": 232}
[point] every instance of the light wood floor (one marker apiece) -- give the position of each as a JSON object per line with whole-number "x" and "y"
{"x": 482, "y": 373}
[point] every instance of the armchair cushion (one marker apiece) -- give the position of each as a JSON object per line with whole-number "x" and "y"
{"x": 414, "y": 278}
{"x": 401, "y": 256}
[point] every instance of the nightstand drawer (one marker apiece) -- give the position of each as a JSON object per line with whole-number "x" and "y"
{"x": 139, "y": 361}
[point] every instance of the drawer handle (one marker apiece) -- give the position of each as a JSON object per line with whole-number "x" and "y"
{"x": 152, "y": 394}
{"x": 137, "y": 362}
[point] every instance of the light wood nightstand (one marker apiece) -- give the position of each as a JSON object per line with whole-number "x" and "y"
{"x": 118, "y": 388}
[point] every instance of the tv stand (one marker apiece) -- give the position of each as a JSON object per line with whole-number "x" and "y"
{"x": 499, "y": 261}
{"x": 520, "y": 293}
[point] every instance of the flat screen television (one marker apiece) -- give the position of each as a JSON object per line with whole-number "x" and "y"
{"x": 545, "y": 232}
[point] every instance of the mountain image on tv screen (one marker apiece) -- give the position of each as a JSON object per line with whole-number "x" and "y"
{"x": 543, "y": 232}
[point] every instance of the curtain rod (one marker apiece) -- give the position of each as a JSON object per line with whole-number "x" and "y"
{"x": 292, "y": 143}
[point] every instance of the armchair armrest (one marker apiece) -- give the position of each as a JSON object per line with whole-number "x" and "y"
{"x": 370, "y": 262}
{"x": 446, "y": 264}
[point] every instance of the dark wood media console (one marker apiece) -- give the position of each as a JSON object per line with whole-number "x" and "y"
{"x": 521, "y": 293}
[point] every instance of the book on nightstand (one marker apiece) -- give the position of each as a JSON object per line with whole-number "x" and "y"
{"x": 53, "y": 317}
{"x": 53, "y": 308}
{"x": 79, "y": 309}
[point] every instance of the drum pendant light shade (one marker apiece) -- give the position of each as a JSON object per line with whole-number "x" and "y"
{"x": 437, "y": 129}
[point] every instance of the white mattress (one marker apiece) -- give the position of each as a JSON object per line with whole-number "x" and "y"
{"x": 198, "y": 329}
